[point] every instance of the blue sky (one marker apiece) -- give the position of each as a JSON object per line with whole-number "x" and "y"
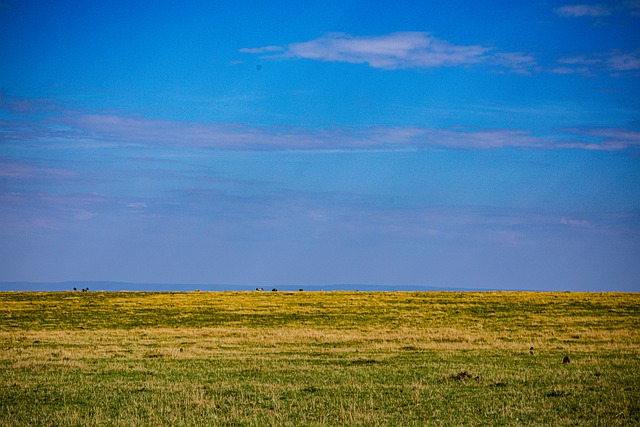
{"x": 441, "y": 143}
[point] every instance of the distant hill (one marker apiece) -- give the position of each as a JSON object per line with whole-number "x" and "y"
{"x": 180, "y": 287}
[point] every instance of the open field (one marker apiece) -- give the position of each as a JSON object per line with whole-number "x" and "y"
{"x": 338, "y": 358}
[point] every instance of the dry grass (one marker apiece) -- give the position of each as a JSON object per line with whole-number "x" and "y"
{"x": 319, "y": 359}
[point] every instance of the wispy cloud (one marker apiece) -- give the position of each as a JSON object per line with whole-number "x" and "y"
{"x": 611, "y": 8}
{"x": 516, "y": 61}
{"x": 28, "y": 210}
{"x": 76, "y": 129}
{"x": 613, "y": 62}
{"x": 421, "y": 50}
{"x": 261, "y": 50}
{"x": 579, "y": 10}
{"x": 571, "y": 222}
{"x": 244, "y": 137}
{"x": 9, "y": 168}
{"x": 611, "y": 139}
{"x": 393, "y": 51}
{"x": 624, "y": 61}
{"x": 28, "y": 105}
{"x": 632, "y": 6}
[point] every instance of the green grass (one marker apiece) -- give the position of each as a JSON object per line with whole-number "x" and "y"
{"x": 336, "y": 358}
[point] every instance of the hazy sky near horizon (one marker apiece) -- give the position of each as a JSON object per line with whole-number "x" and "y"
{"x": 443, "y": 143}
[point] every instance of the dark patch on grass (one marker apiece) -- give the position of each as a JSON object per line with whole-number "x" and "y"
{"x": 152, "y": 356}
{"x": 463, "y": 376}
{"x": 558, "y": 393}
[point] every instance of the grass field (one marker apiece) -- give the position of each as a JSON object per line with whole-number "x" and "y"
{"x": 334, "y": 358}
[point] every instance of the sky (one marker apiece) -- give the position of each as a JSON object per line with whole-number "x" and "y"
{"x": 467, "y": 144}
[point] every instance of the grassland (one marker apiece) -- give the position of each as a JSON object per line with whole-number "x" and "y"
{"x": 339, "y": 358}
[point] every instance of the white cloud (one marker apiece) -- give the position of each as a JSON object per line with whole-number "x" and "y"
{"x": 399, "y": 50}
{"x": 393, "y": 51}
{"x": 579, "y": 10}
